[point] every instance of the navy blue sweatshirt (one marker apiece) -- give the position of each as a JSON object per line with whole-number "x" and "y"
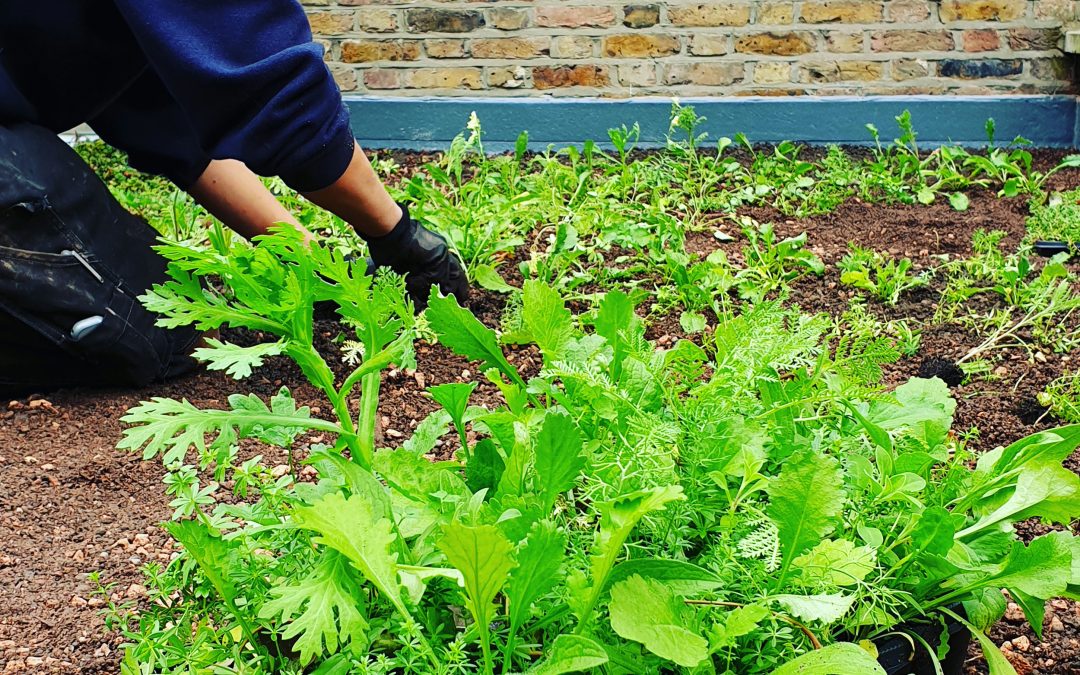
{"x": 175, "y": 83}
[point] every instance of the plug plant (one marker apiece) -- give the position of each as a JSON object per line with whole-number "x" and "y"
{"x": 1056, "y": 220}
{"x": 882, "y": 277}
{"x": 1062, "y": 397}
{"x": 771, "y": 264}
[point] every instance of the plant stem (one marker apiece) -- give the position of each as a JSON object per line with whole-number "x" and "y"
{"x": 369, "y": 408}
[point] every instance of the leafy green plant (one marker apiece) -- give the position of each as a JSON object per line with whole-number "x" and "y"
{"x": 1037, "y": 303}
{"x": 1011, "y": 167}
{"x": 741, "y": 507}
{"x": 1062, "y": 397}
{"x": 1058, "y": 219}
{"x": 772, "y": 264}
{"x": 884, "y": 278}
{"x": 477, "y": 202}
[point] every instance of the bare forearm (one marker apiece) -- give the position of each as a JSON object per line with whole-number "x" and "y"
{"x": 237, "y": 197}
{"x": 360, "y": 199}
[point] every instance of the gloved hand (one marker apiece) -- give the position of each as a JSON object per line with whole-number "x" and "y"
{"x": 422, "y": 257}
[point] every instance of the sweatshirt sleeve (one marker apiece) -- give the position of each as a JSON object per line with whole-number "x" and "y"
{"x": 251, "y": 83}
{"x": 146, "y": 123}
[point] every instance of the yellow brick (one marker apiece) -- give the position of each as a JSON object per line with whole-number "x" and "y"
{"x": 772, "y": 72}
{"x": 444, "y": 78}
{"x": 640, "y": 45}
{"x": 982, "y": 10}
{"x": 713, "y": 14}
{"x": 842, "y": 11}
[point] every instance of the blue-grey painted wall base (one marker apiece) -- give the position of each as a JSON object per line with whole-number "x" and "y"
{"x": 431, "y": 123}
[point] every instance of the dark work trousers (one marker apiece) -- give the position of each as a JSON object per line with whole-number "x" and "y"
{"x": 72, "y": 264}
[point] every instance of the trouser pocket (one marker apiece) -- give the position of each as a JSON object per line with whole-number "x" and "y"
{"x": 73, "y": 274}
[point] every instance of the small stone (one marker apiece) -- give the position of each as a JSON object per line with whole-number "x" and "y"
{"x": 135, "y": 591}
{"x": 34, "y": 661}
{"x": 1013, "y": 612}
{"x": 102, "y": 651}
{"x": 76, "y": 601}
{"x": 279, "y": 470}
{"x": 141, "y": 539}
{"x": 1056, "y": 625}
{"x": 1021, "y": 643}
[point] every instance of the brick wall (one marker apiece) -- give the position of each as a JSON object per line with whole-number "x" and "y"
{"x": 741, "y": 47}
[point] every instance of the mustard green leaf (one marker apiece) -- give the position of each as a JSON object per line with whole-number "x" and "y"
{"x": 570, "y": 654}
{"x": 649, "y": 612}
{"x": 804, "y": 501}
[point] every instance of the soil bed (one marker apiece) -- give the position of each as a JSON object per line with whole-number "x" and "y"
{"x": 71, "y": 505}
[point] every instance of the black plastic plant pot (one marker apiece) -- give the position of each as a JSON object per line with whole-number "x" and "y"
{"x": 904, "y": 655}
{"x": 1049, "y": 248}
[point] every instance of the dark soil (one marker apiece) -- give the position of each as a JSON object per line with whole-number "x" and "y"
{"x": 72, "y": 505}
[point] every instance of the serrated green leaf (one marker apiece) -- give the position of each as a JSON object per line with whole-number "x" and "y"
{"x": 428, "y": 432}
{"x": 355, "y": 529}
{"x": 985, "y": 608}
{"x": 648, "y": 612}
{"x": 617, "y": 323}
{"x": 924, "y": 406}
{"x": 738, "y": 622}
{"x": 463, "y": 334}
{"x": 539, "y": 561}
{"x": 835, "y": 563}
{"x": 823, "y": 607}
{"x": 454, "y": 398}
{"x": 558, "y": 458}
{"x": 692, "y": 322}
{"x": 484, "y": 556}
{"x": 804, "y": 501}
{"x": 324, "y": 608}
{"x": 1041, "y": 569}
{"x": 619, "y": 517}
{"x": 545, "y": 319}
{"x": 169, "y": 427}
{"x": 415, "y": 477}
{"x": 570, "y": 654}
{"x": 839, "y": 658}
{"x": 214, "y": 555}
{"x": 742, "y": 620}
{"x": 236, "y": 361}
{"x": 484, "y": 467}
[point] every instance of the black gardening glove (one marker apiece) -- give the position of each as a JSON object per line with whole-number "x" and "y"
{"x": 422, "y": 257}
